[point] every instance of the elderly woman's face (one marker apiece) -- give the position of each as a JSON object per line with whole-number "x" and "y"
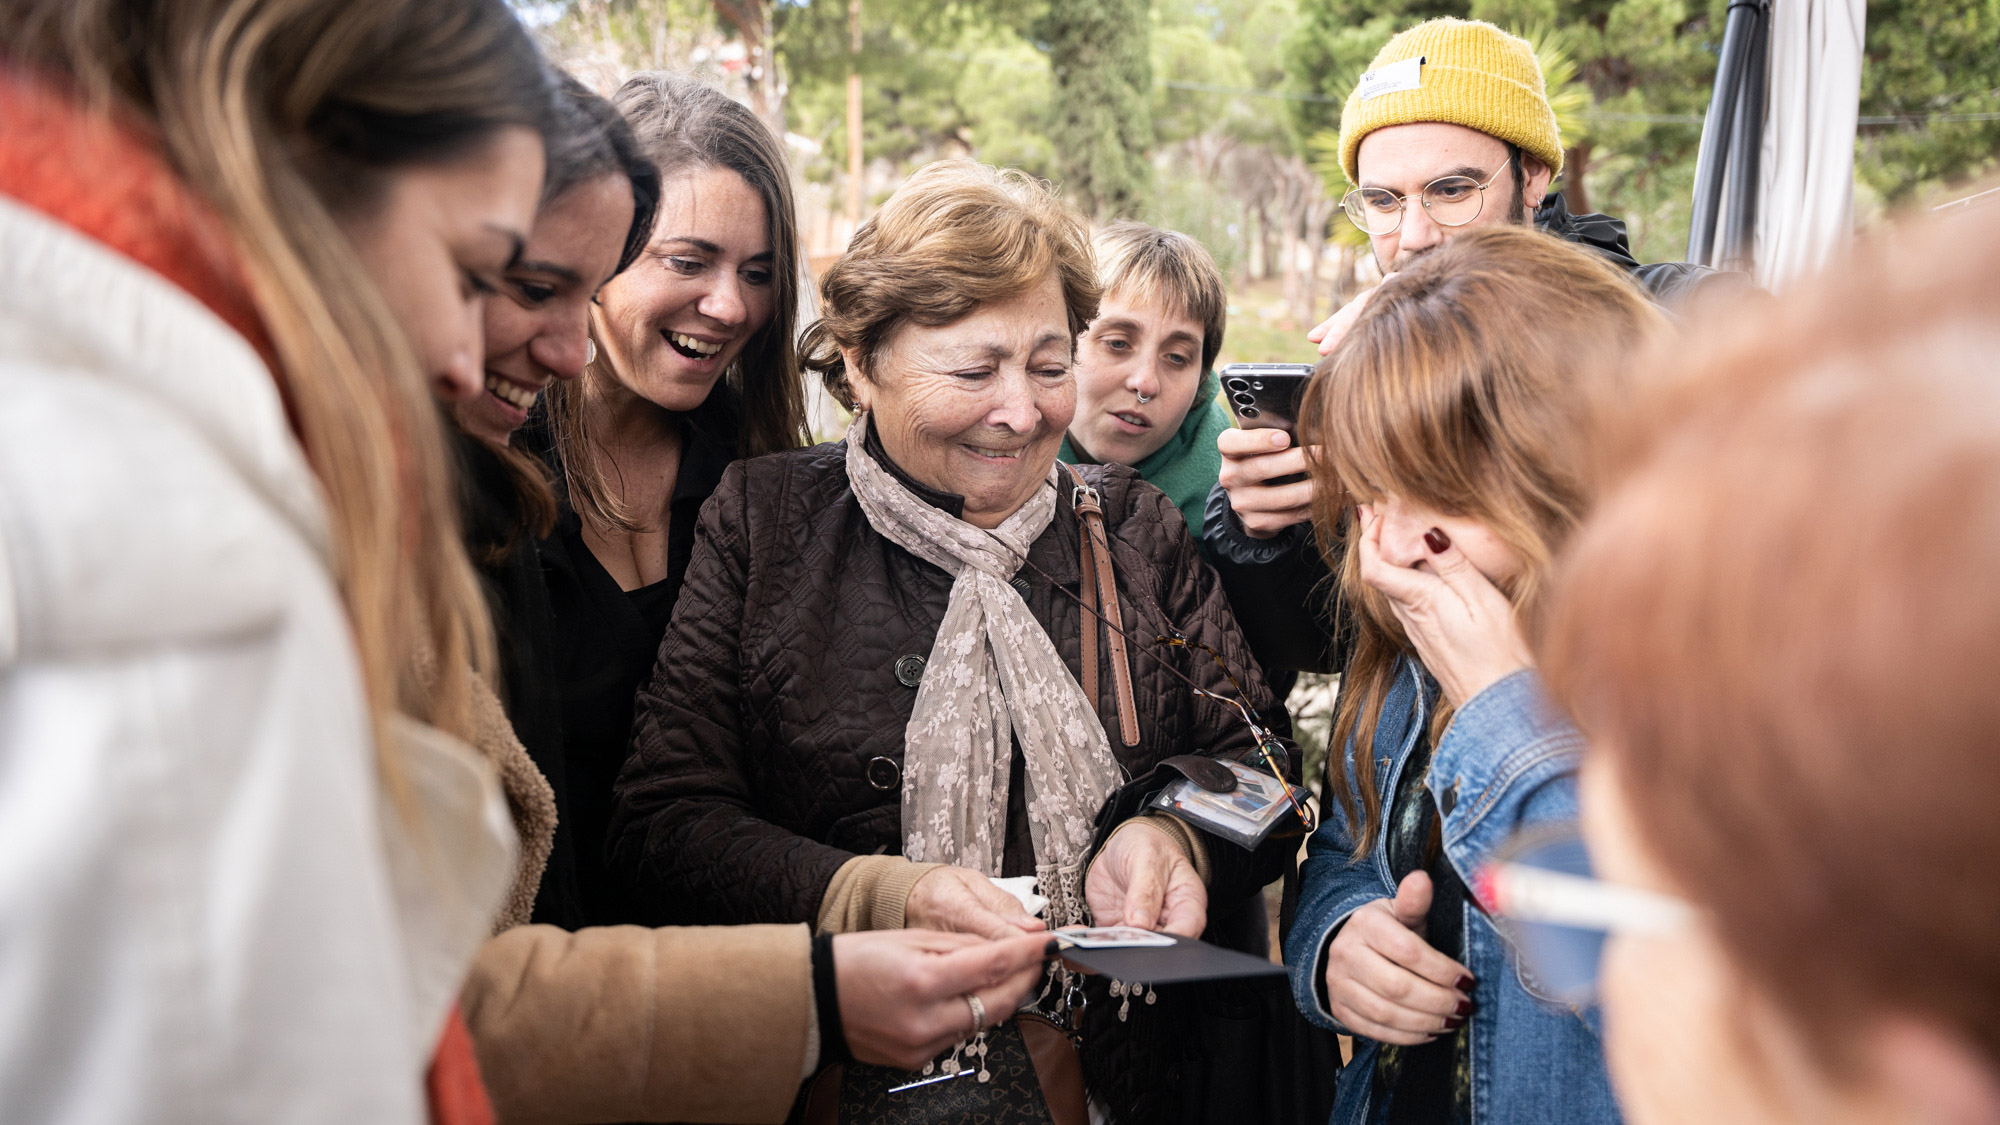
{"x": 977, "y": 407}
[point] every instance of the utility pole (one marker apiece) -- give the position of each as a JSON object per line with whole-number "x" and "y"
{"x": 854, "y": 112}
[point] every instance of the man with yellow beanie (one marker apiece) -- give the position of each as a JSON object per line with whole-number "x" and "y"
{"x": 1449, "y": 130}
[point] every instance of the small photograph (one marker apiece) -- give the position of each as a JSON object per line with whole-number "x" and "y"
{"x": 1113, "y": 937}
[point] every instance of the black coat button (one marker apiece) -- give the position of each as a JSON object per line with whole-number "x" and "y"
{"x": 1019, "y": 583}
{"x": 884, "y": 773}
{"x": 909, "y": 671}
{"x": 1448, "y": 800}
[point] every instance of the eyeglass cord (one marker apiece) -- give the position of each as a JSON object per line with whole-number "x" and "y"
{"x": 1265, "y": 739}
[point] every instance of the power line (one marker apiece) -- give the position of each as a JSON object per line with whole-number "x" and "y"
{"x": 1587, "y": 115}
{"x": 1976, "y": 199}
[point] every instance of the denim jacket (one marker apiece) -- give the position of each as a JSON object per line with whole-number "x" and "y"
{"x": 1508, "y": 760}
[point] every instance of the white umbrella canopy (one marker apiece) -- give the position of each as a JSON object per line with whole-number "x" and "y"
{"x": 1805, "y": 212}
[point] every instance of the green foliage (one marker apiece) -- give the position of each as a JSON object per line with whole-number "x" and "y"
{"x": 1203, "y": 212}
{"x": 1330, "y": 46}
{"x": 1556, "y": 50}
{"x": 1101, "y": 121}
{"x": 1187, "y": 55}
{"x": 936, "y": 79}
{"x": 1004, "y": 90}
{"x": 1928, "y": 57}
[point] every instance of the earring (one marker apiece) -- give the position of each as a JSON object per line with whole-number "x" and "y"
{"x": 589, "y": 351}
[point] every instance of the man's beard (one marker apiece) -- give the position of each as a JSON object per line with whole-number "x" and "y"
{"x": 1517, "y": 214}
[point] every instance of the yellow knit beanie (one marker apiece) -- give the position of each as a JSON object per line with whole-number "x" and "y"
{"x": 1464, "y": 72}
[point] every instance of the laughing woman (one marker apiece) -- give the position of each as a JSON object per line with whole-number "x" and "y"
{"x": 693, "y": 367}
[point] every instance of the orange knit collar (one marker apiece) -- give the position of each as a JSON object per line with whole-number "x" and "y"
{"x": 107, "y": 179}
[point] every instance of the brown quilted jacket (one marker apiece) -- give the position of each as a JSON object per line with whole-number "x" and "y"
{"x": 757, "y": 763}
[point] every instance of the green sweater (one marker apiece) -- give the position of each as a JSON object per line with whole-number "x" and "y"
{"x": 1187, "y": 466}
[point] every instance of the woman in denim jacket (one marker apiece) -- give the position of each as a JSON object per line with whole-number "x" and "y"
{"x": 1452, "y": 428}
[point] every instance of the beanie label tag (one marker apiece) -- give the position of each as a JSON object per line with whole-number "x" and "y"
{"x": 1405, "y": 75}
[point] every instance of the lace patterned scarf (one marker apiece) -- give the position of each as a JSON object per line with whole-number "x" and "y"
{"x": 993, "y": 677}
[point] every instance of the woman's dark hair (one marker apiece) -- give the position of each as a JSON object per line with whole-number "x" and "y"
{"x": 285, "y": 115}
{"x": 686, "y": 126}
{"x": 589, "y": 138}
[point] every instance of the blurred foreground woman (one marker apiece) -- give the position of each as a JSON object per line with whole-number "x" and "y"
{"x": 243, "y": 859}
{"x": 1779, "y": 634}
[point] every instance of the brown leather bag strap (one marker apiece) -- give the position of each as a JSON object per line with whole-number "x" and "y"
{"x": 1088, "y": 590}
{"x": 1099, "y": 587}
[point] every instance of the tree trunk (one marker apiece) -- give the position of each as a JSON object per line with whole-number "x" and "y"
{"x": 1576, "y": 164}
{"x": 752, "y": 21}
{"x": 1253, "y": 243}
{"x": 1315, "y": 243}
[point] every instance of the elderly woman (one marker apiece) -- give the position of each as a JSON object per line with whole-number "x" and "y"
{"x": 882, "y": 661}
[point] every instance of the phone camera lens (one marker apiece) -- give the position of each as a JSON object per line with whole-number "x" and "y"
{"x": 1244, "y": 398}
{"x": 1248, "y": 412}
{"x": 1238, "y": 384}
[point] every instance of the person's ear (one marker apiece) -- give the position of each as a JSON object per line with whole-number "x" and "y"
{"x": 1535, "y": 177}
{"x": 1934, "y": 1076}
{"x": 858, "y": 383}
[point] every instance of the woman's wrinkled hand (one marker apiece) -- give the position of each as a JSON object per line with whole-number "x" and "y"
{"x": 962, "y": 901}
{"x": 1461, "y": 625}
{"x": 1384, "y": 981}
{"x": 902, "y": 992}
{"x": 1142, "y": 878}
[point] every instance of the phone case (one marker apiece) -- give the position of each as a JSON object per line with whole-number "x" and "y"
{"x": 1265, "y": 395}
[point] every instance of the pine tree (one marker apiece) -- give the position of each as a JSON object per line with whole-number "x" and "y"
{"x": 1101, "y": 126}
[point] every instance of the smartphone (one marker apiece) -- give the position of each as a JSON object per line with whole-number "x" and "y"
{"x": 1265, "y": 396}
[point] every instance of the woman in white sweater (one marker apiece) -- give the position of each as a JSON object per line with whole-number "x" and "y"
{"x": 244, "y": 860}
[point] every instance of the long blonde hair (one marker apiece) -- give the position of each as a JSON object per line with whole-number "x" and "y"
{"x": 1469, "y": 384}
{"x": 282, "y": 114}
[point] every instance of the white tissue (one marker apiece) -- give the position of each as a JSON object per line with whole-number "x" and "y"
{"x": 1022, "y": 887}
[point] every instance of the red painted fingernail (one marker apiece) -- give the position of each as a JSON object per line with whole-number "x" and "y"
{"x": 1437, "y": 541}
{"x": 1454, "y": 1023}
{"x": 1465, "y": 984}
{"x": 1051, "y": 949}
{"x": 1464, "y": 1009}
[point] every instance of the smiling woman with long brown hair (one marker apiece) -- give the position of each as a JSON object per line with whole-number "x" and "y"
{"x": 694, "y": 365}
{"x": 1454, "y": 424}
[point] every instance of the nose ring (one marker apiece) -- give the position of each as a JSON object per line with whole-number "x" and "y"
{"x": 589, "y": 351}
{"x": 1144, "y": 398}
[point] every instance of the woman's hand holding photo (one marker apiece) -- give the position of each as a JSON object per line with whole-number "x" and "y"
{"x": 1143, "y": 879}
{"x": 903, "y": 992}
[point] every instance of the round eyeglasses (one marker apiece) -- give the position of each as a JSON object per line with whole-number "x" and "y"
{"x": 1541, "y": 894}
{"x": 1450, "y": 201}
